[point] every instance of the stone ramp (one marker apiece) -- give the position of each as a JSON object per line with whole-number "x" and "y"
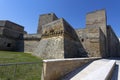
{"x": 97, "y": 70}
{"x": 116, "y": 73}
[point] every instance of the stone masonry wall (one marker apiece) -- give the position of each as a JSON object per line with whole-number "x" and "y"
{"x": 10, "y": 35}
{"x": 62, "y": 67}
{"x": 59, "y": 40}
{"x": 31, "y": 42}
{"x": 90, "y": 40}
{"x": 45, "y": 19}
{"x": 98, "y": 18}
{"x": 50, "y": 48}
{"x": 73, "y": 49}
{"x": 102, "y": 44}
{"x": 113, "y": 43}
{"x": 7, "y": 44}
{"x": 30, "y": 45}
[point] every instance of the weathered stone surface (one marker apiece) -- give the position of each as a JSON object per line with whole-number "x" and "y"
{"x": 30, "y": 45}
{"x": 73, "y": 49}
{"x": 50, "y": 48}
{"x": 31, "y": 41}
{"x": 113, "y": 43}
{"x": 53, "y": 29}
{"x": 59, "y": 40}
{"x": 32, "y": 37}
{"x": 91, "y": 71}
{"x": 98, "y": 18}
{"x": 10, "y": 34}
{"x": 44, "y": 19}
{"x": 7, "y": 44}
{"x": 56, "y": 38}
{"x": 61, "y": 67}
{"x": 91, "y": 39}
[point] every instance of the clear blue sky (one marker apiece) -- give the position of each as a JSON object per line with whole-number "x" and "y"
{"x": 26, "y": 12}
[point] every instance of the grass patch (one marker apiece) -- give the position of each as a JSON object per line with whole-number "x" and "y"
{"x": 18, "y": 71}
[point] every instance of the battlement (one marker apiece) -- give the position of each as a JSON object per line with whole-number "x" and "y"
{"x": 58, "y": 28}
{"x": 32, "y": 37}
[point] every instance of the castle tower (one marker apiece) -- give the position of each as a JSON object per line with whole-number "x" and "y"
{"x": 44, "y": 19}
{"x": 98, "y": 19}
{"x": 59, "y": 40}
{"x": 11, "y": 36}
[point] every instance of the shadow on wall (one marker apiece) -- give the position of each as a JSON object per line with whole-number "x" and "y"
{"x": 20, "y": 44}
{"x": 8, "y": 44}
{"x": 72, "y": 45}
{"x": 74, "y": 49}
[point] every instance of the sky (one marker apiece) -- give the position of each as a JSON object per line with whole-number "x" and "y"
{"x": 27, "y": 12}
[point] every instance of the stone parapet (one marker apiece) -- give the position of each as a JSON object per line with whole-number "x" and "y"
{"x": 55, "y": 69}
{"x": 11, "y": 30}
{"x": 32, "y": 36}
{"x": 58, "y": 27}
{"x": 11, "y": 25}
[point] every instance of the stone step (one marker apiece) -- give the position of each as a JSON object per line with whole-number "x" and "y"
{"x": 97, "y": 70}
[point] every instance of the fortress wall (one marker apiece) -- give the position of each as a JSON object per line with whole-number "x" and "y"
{"x": 58, "y": 40}
{"x": 11, "y": 30}
{"x": 93, "y": 42}
{"x": 98, "y": 18}
{"x": 69, "y": 30}
{"x": 14, "y": 26}
{"x": 45, "y": 19}
{"x": 90, "y": 39}
{"x": 30, "y": 45}
{"x": 73, "y": 49}
{"x": 2, "y": 23}
{"x": 51, "y": 44}
{"x": 1, "y": 30}
{"x": 7, "y": 44}
{"x": 31, "y": 42}
{"x": 72, "y": 46}
{"x": 10, "y": 35}
{"x": 102, "y": 44}
{"x": 32, "y": 36}
{"x": 54, "y": 28}
{"x": 50, "y": 48}
{"x": 113, "y": 43}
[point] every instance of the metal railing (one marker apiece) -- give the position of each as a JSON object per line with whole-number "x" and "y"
{"x": 21, "y": 71}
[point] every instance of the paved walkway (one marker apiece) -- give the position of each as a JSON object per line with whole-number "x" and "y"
{"x": 85, "y": 70}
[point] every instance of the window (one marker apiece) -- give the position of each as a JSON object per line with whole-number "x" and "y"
{"x": 82, "y": 40}
{"x": 9, "y": 45}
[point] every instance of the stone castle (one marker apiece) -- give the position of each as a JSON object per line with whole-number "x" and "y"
{"x": 56, "y": 38}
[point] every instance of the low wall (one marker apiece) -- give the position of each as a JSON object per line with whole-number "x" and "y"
{"x": 55, "y": 69}
{"x": 30, "y": 45}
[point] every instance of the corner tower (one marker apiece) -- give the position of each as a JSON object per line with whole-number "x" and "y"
{"x": 44, "y": 19}
{"x": 98, "y": 19}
